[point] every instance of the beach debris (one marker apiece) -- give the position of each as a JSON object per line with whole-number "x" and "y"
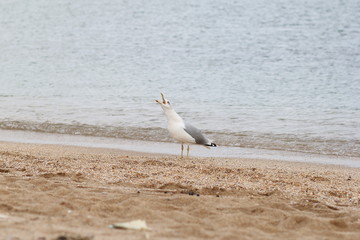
{"x": 190, "y": 192}
{"x": 67, "y": 237}
{"x": 134, "y": 225}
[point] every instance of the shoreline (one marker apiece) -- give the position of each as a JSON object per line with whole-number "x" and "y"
{"x": 48, "y": 191}
{"x": 19, "y": 136}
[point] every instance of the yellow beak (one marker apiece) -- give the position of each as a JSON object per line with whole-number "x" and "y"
{"x": 163, "y": 98}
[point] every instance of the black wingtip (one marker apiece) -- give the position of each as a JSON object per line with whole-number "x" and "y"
{"x": 211, "y": 145}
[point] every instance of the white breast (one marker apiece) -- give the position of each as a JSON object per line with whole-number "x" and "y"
{"x": 177, "y": 131}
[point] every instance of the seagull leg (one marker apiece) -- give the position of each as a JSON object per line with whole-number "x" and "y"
{"x": 182, "y": 150}
{"x": 188, "y": 149}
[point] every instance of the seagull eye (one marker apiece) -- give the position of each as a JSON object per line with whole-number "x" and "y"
{"x": 168, "y": 102}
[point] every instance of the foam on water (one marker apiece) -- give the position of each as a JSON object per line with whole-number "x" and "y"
{"x": 174, "y": 149}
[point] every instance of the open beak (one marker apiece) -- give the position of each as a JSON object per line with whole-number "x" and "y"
{"x": 163, "y": 99}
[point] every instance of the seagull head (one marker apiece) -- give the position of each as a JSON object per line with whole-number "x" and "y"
{"x": 165, "y": 104}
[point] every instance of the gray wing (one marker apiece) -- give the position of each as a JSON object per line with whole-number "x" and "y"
{"x": 196, "y": 134}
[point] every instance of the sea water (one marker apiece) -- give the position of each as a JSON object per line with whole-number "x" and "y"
{"x": 281, "y": 75}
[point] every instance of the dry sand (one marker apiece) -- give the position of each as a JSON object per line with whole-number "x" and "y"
{"x": 63, "y": 192}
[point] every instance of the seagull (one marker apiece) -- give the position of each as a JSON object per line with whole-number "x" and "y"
{"x": 181, "y": 131}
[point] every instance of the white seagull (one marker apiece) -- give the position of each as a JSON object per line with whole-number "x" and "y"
{"x": 181, "y": 131}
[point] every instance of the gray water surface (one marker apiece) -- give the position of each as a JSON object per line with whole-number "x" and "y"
{"x": 279, "y": 75}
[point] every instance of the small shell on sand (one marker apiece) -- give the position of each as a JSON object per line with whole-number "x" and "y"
{"x": 135, "y": 225}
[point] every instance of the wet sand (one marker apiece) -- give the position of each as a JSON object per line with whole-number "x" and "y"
{"x": 64, "y": 192}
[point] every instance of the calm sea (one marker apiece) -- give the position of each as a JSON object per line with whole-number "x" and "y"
{"x": 281, "y": 74}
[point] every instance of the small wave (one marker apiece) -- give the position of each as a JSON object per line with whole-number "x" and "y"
{"x": 128, "y": 132}
{"x": 289, "y": 142}
{"x": 285, "y": 142}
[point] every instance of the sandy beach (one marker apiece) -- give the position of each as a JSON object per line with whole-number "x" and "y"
{"x": 65, "y": 192}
